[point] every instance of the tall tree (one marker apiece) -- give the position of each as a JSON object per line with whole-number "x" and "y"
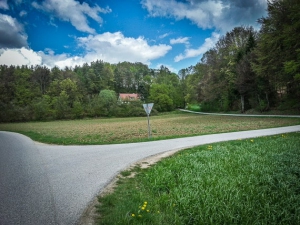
{"x": 278, "y": 49}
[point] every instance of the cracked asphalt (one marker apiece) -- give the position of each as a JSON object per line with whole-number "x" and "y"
{"x": 52, "y": 184}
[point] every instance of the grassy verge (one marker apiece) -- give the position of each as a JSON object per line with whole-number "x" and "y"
{"x": 253, "y": 181}
{"x": 124, "y": 130}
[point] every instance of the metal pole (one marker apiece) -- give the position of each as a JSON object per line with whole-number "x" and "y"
{"x": 149, "y": 130}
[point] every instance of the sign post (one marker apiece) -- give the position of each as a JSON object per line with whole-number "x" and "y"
{"x": 148, "y": 108}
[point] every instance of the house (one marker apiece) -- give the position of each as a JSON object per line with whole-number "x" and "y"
{"x": 126, "y": 97}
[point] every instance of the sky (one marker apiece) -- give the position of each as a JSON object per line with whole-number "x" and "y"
{"x": 173, "y": 33}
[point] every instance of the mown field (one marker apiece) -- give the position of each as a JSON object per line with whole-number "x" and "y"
{"x": 251, "y": 181}
{"x": 122, "y": 130}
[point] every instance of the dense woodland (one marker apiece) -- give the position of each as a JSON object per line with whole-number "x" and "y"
{"x": 246, "y": 69}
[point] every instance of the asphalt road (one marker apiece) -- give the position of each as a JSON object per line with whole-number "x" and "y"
{"x": 51, "y": 184}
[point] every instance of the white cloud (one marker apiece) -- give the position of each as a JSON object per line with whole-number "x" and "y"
{"x": 19, "y": 57}
{"x": 109, "y": 47}
{"x": 3, "y": 4}
{"x": 164, "y": 35}
{"x": 73, "y": 11}
{"x": 114, "y": 48}
{"x": 12, "y": 33}
{"x": 23, "y": 13}
{"x": 182, "y": 40}
{"x": 208, "y": 44}
{"x": 222, "y": 15}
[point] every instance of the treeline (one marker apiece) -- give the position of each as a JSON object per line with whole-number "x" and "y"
{"x": 246, "y": 69}
{"x": 91, "y": 90}
{"x": 250, "y": 69}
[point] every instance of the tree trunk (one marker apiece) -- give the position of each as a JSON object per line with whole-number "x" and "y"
{"x": 268, "y": 102}
{"x": 242, "y": 104}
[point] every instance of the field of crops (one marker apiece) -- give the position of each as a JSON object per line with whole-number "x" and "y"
{"x": 120, "y": 130}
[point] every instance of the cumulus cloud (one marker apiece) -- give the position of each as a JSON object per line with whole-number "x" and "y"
{"x": 219, "y": 14}
{"x": 109, "y": 47}
{"x": 3, "y": 4}
{"x": 73, "y": 11}
{"x": 12, "y": 33}
{"x": 114, "y": 47}
{"x": 50, "y": 59}
{"x": 181, "y": 40}
{"x": 19, "y": 57}
{"x": 208, "y": 44}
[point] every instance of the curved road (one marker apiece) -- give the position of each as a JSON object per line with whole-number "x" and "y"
{"x": 51, "y": 184}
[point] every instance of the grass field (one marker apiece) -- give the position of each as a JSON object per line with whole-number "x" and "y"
{"x": 122, "y": 130}
{"x": 253, "y": 181}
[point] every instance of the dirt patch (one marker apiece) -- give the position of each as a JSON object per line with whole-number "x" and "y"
{"x": 89, "y": 215}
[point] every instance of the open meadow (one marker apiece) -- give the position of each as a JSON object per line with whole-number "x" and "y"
{"x": 124, "y": 130}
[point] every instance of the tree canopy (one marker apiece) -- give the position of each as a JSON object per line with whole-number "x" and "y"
{"x": 246, "y": 69}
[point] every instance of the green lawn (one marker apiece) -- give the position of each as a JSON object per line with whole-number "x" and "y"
{"x": 253, "y": 181}
{"x": 122, "y": 130}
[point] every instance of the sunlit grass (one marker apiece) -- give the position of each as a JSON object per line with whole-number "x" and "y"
{"x": 120, "y": 130}
{"x": 253, "y": 181}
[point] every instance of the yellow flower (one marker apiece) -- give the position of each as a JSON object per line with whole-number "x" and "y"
{"x": 143, "y": 208}
{"x": 148, "y": 210}
{"x": 133, "y": 215}
{"x": 251, "y": 140}
{"x": 145, "y": 203}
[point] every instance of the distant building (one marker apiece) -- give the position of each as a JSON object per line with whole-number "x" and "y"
{"x": 126, "y": 97}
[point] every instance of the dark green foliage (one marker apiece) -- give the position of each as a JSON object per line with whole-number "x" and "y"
{"x": 245, "y": 70}
{"x": 161, "y": 96}
{"x": 38, "y": 93}
{"x": 107, "y": 102}
{"x": 252, "y": 70}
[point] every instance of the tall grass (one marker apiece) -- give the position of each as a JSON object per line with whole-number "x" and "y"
{"x": 254, "y": 181}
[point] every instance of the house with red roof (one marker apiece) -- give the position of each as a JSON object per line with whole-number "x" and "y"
{"x": 126, "y": 97}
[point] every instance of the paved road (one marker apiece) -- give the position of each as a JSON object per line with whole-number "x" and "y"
{"x": 50, "y": 184}
{"x": 241, "y": 115}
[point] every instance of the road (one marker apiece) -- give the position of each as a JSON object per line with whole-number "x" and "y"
{"x": 52, "y": 184}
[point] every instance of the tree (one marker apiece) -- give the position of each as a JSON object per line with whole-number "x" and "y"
{"x": 222, "y": 81}
{"x": 160, "y": 95}
{"x": 245, "y": 80}
{"x": 278, "y": 50}
{"x": 41, "y": 106}
{"x": 61, "y": 105}
{"x": 108, "y": 101}
{"x": 68, "y": 86}
{"x": 41, "y": 76}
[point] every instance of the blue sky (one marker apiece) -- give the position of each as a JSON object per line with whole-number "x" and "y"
{"x": 173, "y": 33}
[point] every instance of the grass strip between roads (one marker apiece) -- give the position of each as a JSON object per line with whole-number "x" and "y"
{"x": 251, "y": 181}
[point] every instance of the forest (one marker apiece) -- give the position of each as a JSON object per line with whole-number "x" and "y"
{"x": 246, "y": 69}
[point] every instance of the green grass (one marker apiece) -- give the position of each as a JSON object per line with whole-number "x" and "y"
{"x": 194, "y": 107}
{"x": 253, "y": 181}
{"x": 124, "y": 130}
